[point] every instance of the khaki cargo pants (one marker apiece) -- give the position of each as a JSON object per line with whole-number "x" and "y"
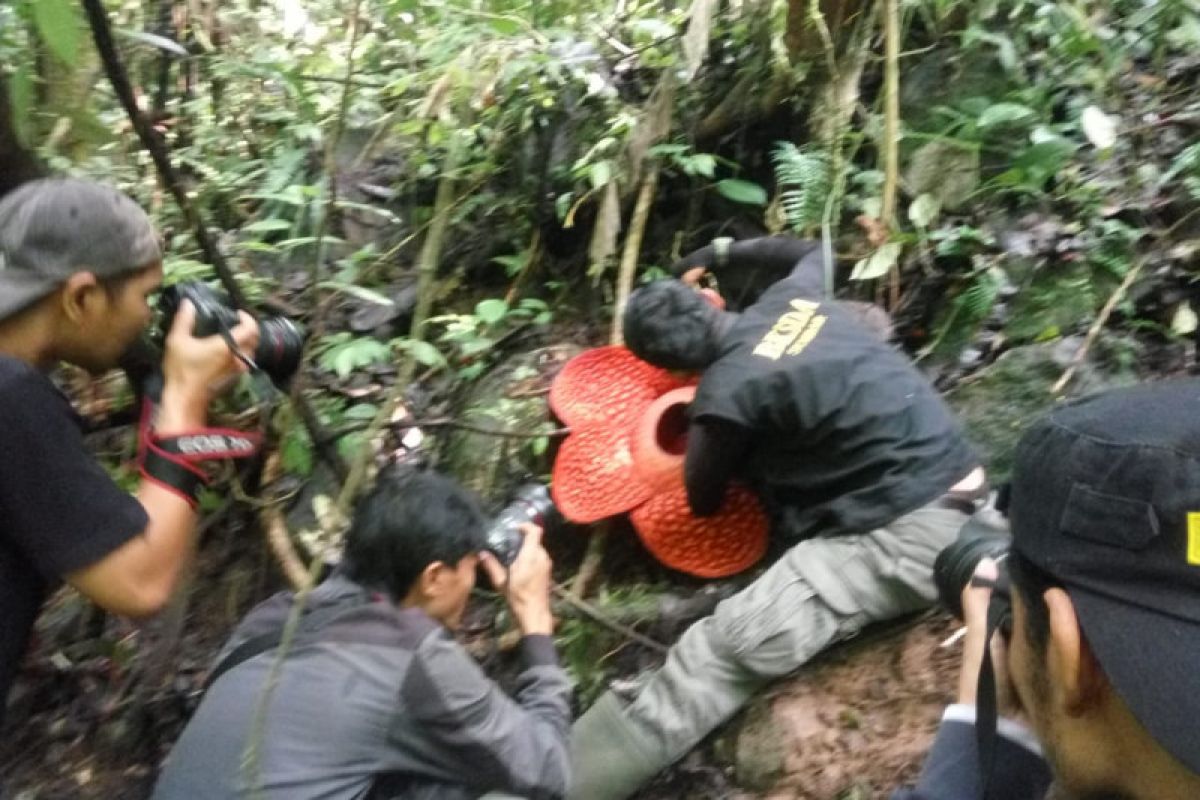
{"x": 821, "y": 591}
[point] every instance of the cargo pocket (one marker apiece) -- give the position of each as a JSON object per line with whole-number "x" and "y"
{"x": 777, "y": 623}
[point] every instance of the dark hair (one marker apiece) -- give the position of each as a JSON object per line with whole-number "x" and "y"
{"x": 671, "y": 325}
{"x": 1031, "y": 581}
{"x": 411, "y": 519}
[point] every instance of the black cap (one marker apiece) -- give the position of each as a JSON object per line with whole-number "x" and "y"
{"x": 1106, "y": 498}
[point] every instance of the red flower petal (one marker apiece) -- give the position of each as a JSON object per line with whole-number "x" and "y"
{"x": 594, "y": 476}
{"x": 608, "y": 384}
{"x": 724, "y": 544}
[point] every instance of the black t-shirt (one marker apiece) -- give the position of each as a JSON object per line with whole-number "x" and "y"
{"x": 846, "y": 434}
{"x": 59, "y": 510}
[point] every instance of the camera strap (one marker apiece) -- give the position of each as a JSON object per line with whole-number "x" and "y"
{"x": 987, "y": 716}
{"x": 177, "y": 462}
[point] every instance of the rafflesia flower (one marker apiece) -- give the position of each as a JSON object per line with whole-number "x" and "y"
{"x": 625, "y": 453}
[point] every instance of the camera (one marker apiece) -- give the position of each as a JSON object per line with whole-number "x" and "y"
{"x": 531, "y": 504}
{"x": 985, "y": 535}
{"x": 280, "y": 340}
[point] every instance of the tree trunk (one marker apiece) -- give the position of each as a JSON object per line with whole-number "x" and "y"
{"x": 804, "y": 41}
{"x": 17, "y": 163}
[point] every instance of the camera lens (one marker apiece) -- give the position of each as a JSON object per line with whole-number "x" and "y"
{"x": 983, "y": 536}
{"x": 532, "y": 504}
{"x": 280, "y": 345}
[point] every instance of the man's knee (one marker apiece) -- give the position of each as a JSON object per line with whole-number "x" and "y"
{"x": 777, "y": 623}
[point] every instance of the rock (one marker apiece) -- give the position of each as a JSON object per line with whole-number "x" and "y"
{"x": 759, "y": 754}
{"x": 998, "y": 402}
{"x": 309, "y": 520}
{"x": 511, "y": 397}
{"x": 855, "y": 722}
{"x": 385, "y": 321}
{"x": 948, "y": 76}
{"x": 945, "y": 170}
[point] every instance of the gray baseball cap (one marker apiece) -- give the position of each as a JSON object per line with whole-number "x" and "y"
{"x": 52, "y": 228}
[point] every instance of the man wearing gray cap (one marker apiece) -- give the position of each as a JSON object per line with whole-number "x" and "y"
{"x": 1102, "y": 579}
{"x": 78, "y": 262}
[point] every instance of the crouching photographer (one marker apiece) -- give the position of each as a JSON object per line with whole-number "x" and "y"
{"x": 78, "y": 262}
{"x": 374, "y": 698}
{"x": 1089, "y": 613}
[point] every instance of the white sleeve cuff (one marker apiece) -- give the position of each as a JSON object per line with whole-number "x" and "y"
{"x": 1016, "y": 732}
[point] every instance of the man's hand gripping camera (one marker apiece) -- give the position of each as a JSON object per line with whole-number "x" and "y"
{"x": 178, "y": 462}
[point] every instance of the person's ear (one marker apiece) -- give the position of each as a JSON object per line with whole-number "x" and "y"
{"x": 432, "y": 579}
{"x": 79, "y": 294}
{"x": 1073, "y": 669}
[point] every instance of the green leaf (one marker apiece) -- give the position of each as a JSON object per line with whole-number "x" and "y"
{"x": 512, "y": 263}
{"x": 1184, "y": 321}
{"x": 1005, "y": 114}
{"x": 367, "y": 208}
{"x": 472, "y": 371}
{"x": 1041, "y": 161}
{"x": 505, "y": 26}
{"x": 600, "y": 173}
{"x": 491, "y": 311}
{"x": 702, "y": 164}
{"x": 21, "y": 100}
{"x": 58, "y": 24}
{"x": 268, "y": 226}
{"x": 351, "y": 445}
{"x": 562, "y": 204}
{"x": 423, "y": 352}
{"x": 361, "y": 292}
{"x": 154, "y": 40}
{"x": 297, "y": 452}
{"x": 362, "y": 411}
{"x": 346, "y": 356}
{"x": 924, "y": 210}
{"x": 740, "y": 191}
{"x": 879, "y": 262}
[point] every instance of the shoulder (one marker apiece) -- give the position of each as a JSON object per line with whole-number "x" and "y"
{"x": 21, "y": 381}
{"x": 31, "y": 404}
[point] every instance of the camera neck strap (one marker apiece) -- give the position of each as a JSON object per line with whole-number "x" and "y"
{"x": 177, "y": 462}
{"x": 987, "y": 716}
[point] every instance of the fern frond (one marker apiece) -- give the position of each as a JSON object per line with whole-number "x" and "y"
{"x": 980, "y": 296}
{"x": 1186, "y": 163}
{"x": 806, "y": 179}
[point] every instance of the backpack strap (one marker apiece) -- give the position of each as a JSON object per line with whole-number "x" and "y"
{"x": 310, "y": 624}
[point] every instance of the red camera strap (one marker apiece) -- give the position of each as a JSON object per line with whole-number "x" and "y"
{"x": 176, "y": 462}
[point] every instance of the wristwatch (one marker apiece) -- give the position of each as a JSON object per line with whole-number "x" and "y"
{"x": 720, "y": 247}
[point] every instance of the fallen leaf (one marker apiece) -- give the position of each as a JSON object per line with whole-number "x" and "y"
{"x": 1100, "y": 128}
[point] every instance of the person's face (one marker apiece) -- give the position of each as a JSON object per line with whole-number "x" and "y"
{"x": 1067, "y": 739}
{"x": 1029, "y": 675}
{"x": 109, "y": 319}
{"x": 450, "y": 591}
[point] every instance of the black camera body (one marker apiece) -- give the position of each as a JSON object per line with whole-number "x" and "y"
{"x": 985, "y": 535}
{"x": 280, "y": 340}
{"x": 531, "y": 504}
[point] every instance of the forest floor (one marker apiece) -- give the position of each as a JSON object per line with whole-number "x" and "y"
{"x": 854, "y": 724}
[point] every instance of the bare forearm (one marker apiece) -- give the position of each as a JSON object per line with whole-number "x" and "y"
{"x": 138, "y": 578}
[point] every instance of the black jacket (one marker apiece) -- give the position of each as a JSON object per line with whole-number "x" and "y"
{"x": 952, "y": 771}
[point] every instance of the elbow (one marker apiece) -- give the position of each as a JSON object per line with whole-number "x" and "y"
{"x": 704, "y": 505}
{"x": 141, "y": 602}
